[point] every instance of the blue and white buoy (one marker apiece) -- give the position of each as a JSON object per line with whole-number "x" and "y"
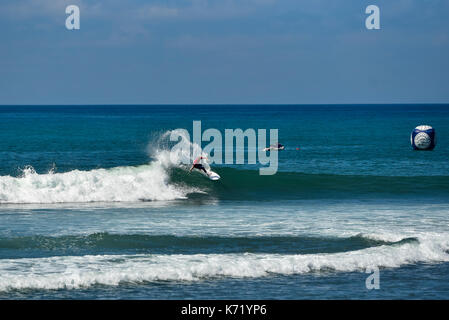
{"x": 423, "y": 138}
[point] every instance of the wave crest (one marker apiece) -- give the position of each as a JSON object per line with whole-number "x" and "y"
{"x": 146, "y": 182}
{"x": 72, "y": 272}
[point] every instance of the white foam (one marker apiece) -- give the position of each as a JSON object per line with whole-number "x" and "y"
{"x": 146, "y": 182}
{"x": 72, "y": 272}
{"x": 174, "y": 148}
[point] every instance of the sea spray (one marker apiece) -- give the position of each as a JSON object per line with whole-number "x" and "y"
{"x": 150, "y": 182}
{"x": 146, "y": 182}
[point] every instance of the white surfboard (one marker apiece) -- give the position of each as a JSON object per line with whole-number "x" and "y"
{"x": 273, "y": 149}
{"x": 210, "y": 174}
{"x": 213, "y": 175}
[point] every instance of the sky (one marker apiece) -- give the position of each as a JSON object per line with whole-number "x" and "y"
{"x": 224, "y": 52}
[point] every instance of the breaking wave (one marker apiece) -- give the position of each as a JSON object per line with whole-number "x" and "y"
{"x": 74, "y": 272}
{"x": 166, "y": 177}
{"x": 148, "y": 182}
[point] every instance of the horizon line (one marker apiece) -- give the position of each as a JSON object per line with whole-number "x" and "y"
{"x": 225, "y": 104}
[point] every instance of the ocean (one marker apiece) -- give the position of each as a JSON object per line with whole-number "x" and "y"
{"x": 92, "y": 208}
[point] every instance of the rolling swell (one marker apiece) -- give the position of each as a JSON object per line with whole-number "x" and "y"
{"x": 83, "y": 271}
{"x": 238, "y": 184}
{"x": 107, "y": 243}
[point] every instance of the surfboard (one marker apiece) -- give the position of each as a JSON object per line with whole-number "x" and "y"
{"x": 210, "y": 174}
{"x": 273, "y": 149}
{"x": 213, "y": 175}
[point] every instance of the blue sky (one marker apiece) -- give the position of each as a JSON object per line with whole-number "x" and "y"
{"x": 224, "y": 52}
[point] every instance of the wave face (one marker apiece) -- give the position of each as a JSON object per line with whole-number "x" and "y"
{"x": 248, "y": 184}
{"x": 169, "y": 244}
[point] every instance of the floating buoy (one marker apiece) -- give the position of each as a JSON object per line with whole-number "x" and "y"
{"x": 423, "y": 138}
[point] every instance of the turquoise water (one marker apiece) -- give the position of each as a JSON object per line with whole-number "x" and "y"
{"x": 89, "y": 209}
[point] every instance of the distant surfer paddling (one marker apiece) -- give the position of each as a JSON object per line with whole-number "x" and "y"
{"x": 273, "y": 147}
{"x": 197, "y": 165}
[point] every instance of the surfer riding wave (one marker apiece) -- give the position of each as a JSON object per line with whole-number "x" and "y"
{"x": 204, "y": 167}
{"x": 197, "y": 165}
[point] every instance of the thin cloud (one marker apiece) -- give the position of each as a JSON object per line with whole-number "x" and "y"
{"x": 52, "y": 10}
{"x": 151, "y": 12}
